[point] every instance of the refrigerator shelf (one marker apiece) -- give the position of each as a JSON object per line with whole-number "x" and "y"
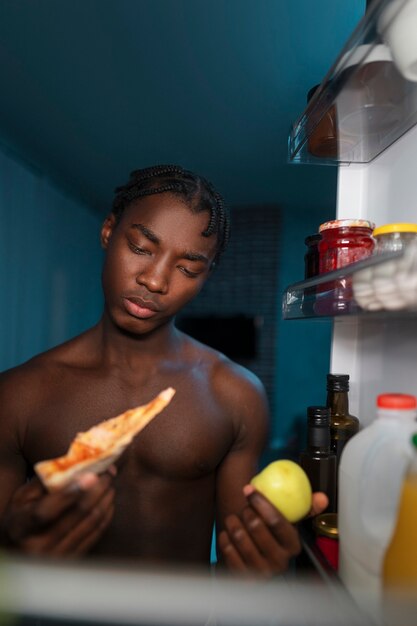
{"x": 365, "y": 102}
{"x": 381, "y": 286}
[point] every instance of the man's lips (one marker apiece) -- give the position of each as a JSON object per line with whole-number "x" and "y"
{"x": 140, "y": 308}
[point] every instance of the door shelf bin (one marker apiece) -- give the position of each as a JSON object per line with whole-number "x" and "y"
{"x": 363, "y": 104}
{"x": 384, "y": 284}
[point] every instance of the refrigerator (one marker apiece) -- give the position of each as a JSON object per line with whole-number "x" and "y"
{"x": 374, "y": 147}
{"x": 362, "y": 119}
{"x": 377, "y": 181}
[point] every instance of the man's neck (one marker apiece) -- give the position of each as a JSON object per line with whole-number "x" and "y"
{"x": 120, "y": 347}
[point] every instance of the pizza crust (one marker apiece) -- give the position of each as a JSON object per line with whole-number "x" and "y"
{"x": 97, "y": 448}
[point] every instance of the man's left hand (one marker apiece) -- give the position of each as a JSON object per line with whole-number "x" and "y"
{"x": 261, "y": 540}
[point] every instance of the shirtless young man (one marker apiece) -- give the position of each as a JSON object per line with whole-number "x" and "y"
{"x": 188, "y": 468}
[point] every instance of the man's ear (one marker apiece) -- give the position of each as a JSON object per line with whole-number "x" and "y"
{"x": 107, "y": 229}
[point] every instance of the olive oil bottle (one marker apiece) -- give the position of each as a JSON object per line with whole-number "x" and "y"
{"x": 317, "y": 460}
{"x": 342, "y": 425}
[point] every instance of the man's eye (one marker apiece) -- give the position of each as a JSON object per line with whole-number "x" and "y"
{"x": 188, "y": 272}
{"x": 137, "y": 249}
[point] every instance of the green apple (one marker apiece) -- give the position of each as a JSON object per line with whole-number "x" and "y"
{"x": 286, "y": 485}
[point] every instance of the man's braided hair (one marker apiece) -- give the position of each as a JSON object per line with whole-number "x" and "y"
{"x": 198, "y": 193}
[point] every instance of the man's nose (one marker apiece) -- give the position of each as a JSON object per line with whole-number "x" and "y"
{"x": 155, "y": 277}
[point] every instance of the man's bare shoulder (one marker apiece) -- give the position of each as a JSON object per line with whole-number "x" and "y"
{"x": 237, "y": 389}
{"x": 24, "y": 385}
{"x": 242, "y": 398}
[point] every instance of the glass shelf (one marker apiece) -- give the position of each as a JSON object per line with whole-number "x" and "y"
{"x": 365, "y": 102}
{"x": 379, "y": 286}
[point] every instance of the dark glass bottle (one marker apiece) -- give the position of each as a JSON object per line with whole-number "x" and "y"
{"x": 317, "y": 460}
{"x": 311, "y": 257}
{"x": 342, "y": 425}
{"x": 311, "y": 269}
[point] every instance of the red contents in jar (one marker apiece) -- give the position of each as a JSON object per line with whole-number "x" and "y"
{"x": 330, "y": 548}
{"x": 343, "y": 242}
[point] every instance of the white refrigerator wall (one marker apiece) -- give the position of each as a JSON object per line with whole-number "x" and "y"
{"x": 380, "y": 355}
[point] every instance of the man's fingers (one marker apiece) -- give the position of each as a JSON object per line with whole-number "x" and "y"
{"x": 91, "y": 539}
{"x": 319, "y": 504}
{"x": 87, "y": 512}
{"x": 243, "y": 542}
{"x": 51, "y": 506}
{"x": 64, "y": 536}
{"x": 285, "y": 533}
{"x": 29, "y": 492}
{"x": 275, "y": 554}
{"x": 231, "y": 556}
{"x": 41, "y": 526}
{"x": 83, "y": 534}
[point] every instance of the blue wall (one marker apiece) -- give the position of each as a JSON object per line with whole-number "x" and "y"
{"x": 250, "y": 83}
{"x": 50, "y": 261}
{"x": 303, "y": 346}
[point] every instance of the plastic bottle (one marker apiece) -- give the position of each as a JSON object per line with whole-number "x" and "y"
{"x": 394, "y": 237}
{"x": 400, "y": 563}
{"x": 371, "y": 472}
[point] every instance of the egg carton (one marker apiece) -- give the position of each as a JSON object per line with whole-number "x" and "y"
{"x": 390, "y": 285}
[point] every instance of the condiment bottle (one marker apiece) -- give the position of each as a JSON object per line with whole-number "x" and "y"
{"x": 317, "y": 460}
{"x": 371, "y": 472}
{"x": 342, "y": 425}
{"x": 311, "y": 269}
{"x": 400, "y": 563}
{"x": 327, "y": 537}
{"x": 393, "y": 237}
{"x": 322, "y": 139}
{"x": 311, "y": 257}
{"x": 343, "y": 242}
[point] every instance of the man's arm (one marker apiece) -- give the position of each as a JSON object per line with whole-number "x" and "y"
{"x": 252, "y": 535}
{"x": 67, "y": 522}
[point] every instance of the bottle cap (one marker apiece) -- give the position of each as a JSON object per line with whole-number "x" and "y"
{"x": 338, "y": 382}
{"x": 400, "y": 401}
{"x": 319, "y": 414}
{"x": 400, "y": 227}
{"x": 311, "y": 240}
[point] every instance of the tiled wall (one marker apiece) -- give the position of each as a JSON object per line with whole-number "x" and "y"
{"x": 246, "y": 282}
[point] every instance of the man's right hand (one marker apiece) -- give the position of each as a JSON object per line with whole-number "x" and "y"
{"x": 67, "y": 522}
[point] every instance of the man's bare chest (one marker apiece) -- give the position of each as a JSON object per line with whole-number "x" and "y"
{"x": 188, "y": 439}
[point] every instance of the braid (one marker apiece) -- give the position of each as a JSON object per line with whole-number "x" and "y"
{"x": 198, "y": 193}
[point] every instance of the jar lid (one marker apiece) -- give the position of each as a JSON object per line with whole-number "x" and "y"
{"x": 396, "y": 401}
{"x": 400, "y": 227}
{"x": 346, "y": 224}
{"x": 326, "y": 524}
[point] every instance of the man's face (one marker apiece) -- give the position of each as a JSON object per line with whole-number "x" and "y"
{"x": 156, "y": 261}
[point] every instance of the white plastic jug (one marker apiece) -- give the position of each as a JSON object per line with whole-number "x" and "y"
{"x": 371, "y": 473}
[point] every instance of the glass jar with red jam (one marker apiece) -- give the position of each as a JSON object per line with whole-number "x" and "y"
{"x": 342, "y": 242}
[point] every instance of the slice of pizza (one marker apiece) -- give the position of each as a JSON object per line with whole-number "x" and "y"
{"x": 96, "y": 449}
